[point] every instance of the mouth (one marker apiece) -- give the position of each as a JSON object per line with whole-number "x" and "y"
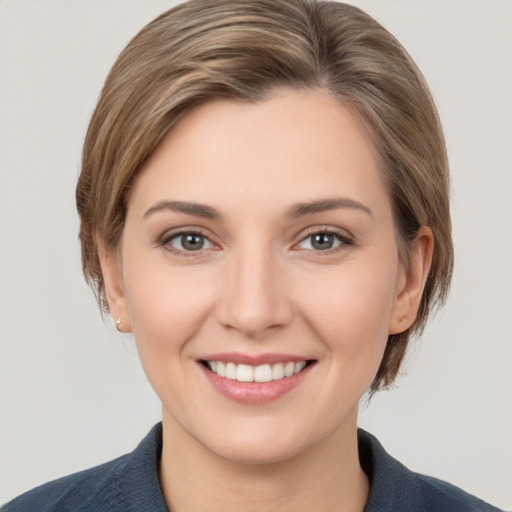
{"x": 261, "y": 373}
{"x": 255, "y": 381}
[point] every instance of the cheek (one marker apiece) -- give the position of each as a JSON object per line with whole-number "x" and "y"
{"x": 349, "y": 307}
{"x": 167, "y": 309}
{"x": 167, "y": 306}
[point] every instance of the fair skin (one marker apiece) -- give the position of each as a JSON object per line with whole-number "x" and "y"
{"x": 291, "y": 257}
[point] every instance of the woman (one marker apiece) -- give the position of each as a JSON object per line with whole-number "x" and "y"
{"x": 264, "y": 204}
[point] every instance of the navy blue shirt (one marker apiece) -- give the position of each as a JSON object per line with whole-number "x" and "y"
{"x": 130, "y": 484}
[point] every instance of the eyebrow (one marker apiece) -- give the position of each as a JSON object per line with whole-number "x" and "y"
{"x": 297, "y": 210}
{"x": 196, "y": 209}
{"x": 322, "y": 205}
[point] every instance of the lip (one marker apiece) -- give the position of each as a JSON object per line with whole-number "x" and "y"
{"x": 254, "y": 393}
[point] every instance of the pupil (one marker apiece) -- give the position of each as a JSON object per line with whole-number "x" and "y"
{"x": 322, "y": 241}
{"x": 192, "y": 242}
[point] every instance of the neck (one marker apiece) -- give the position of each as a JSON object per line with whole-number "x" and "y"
{"x": 323, "y": 478}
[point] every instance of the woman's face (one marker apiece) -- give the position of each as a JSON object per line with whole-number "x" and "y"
{"x": 259, "y": 242}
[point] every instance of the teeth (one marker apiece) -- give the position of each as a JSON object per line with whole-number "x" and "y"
{"x": 262, "y": 373}
{"x": 289, "y": 369}
{"x": 299, "y": 366}
{"x": 278, "y": 371}
{"x": 231, "y": 371}
{"x": 244, "y": 373}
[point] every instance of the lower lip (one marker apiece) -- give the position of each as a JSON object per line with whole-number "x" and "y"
{"x": 255, "y": 392}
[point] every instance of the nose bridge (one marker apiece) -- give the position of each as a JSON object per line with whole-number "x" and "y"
{"x": 255, "y": 297}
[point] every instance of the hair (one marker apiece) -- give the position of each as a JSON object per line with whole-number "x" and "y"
{"x": 234, "y": 49}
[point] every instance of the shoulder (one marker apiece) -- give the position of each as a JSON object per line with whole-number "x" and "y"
{"x": 442, "y": 496}
{"x": 395, "y": 488}
{"x": 93, "y": 489}
{"x": 128, "y": 483}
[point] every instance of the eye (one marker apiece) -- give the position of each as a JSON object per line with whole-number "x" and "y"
{"x": 324, "y": 241}
{"x": 187, "y": 242}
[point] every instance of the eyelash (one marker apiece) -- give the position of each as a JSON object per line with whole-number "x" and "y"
{"x": 344, "y": 239}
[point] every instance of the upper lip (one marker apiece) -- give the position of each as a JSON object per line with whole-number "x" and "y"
{"x": 254, "y": 360}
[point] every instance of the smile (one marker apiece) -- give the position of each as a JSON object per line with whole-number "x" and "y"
{"x": 261, "y": 373}
{"x": 255, "y": 379}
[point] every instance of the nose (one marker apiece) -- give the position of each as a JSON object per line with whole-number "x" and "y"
{"x": 255, "y": 298}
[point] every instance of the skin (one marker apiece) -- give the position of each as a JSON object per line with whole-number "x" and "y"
{"x": 260, "y": 286}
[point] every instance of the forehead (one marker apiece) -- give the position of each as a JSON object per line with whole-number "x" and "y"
{"x": 292, "y": 144}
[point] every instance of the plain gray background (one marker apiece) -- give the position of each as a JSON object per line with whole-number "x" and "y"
{"x": 72, "y": 390}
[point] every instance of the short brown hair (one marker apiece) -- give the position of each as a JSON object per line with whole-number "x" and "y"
{"x": 240, "y": 50}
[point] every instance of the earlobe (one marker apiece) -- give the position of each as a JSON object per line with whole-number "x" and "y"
{"x": 410, "y": 289}
{"x": 114, "y": 289}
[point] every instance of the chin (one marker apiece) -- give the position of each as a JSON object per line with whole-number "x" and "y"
{"x": 265, "y": 440}
{"x": 257, "y": 451}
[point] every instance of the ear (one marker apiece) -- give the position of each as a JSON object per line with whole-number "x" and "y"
{"x": 111, "y": 269}
{"x": 411, "y": 282}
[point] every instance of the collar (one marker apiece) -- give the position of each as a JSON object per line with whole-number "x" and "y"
{"x": 140, "y": 481}
{"x": 392, "y": 486}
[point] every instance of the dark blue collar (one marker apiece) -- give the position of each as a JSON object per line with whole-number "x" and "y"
{"x": 139, "y": 479}
{"x": 393, "y": 487}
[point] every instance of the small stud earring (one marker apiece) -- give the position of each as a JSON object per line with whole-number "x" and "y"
{"x": 118, "y": 323}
